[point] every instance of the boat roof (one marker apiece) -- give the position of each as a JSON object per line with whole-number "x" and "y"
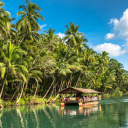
{"x": 74, "y": 90}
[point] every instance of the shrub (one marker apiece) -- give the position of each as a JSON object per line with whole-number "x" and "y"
{"x": 1, "y": 102}
{"x": 118, "y": 92}
{"x": 8, "y": 103}
{"x": 22, "y": 101}
{"x": 126, "y": 94}
{"x": 106, "y": 95}
{"x": 112, "y": 95}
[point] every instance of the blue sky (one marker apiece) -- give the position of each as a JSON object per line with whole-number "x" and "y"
{"x": 104, "y": 22}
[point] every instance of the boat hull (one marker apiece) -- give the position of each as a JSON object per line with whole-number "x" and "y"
{"x": 85, "y": 104}
{"x": 88, "y": 104}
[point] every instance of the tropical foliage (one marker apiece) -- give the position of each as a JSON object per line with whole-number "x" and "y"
{"x": 33, "y": 64}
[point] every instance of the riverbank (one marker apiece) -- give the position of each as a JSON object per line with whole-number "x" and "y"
{"x": 39, "y": 100}
{"x": 25, "y": 101}
{"x": 116, "y": 94}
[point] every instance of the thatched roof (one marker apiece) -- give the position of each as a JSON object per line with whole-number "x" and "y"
{"x": 74, "y": 90}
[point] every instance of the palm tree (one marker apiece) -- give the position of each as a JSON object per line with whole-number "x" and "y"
{"x": 1, "y": 10}
{"x": 32, "y": 74}
{"x": 35, "y": 74}
{"x": 118, "y": 72}
{"x": 89, "y": 56}
{"x": 73, "y": 37}
{"x": 1, "y": 4}
{"x": 102, "y": 70}
{"x": 6, "y": 28}
{"x": 12, "y": 63}
{"x": 51, "y": 38}
{"x": 28, "y": 22}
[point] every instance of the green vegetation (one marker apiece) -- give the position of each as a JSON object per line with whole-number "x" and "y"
{"x": 126, "y": 94}
{"x": 34, "y": 67}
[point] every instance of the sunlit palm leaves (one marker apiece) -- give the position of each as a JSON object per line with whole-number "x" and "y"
{"x": 73, "y": 36}
{"x": 6, "y": 27}
{"x": 29, "y": 19}
{"x": 12, "y": 62}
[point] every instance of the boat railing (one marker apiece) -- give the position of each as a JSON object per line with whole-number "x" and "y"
{"x": 76, "y": 99}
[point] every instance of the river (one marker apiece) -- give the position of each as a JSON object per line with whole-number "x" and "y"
{"x": 110, "y": 113}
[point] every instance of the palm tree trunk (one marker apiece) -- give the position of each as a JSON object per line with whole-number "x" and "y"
{"x": 52, "y": 91}
{"x": 20, "y": 94}
{"x": 35, "y": 59}
{"x": 22, "y": 39}
{"x": 91, "y": 85}
{"x": 35, "y": 91}
{"x": 82, "y": 81}
{"x": 48, "y": 89}
{"x": 92, "y": 80}
{"x": 14, "y": 93}
{"x": 69, "y": 80}
{"x": 66, "y": 53}
{"x": 61, "y": 86}
{"x": 3, "y": 86}
{"x": 78, "y": 80}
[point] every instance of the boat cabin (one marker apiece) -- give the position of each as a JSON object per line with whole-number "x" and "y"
{"x": 78, "y": 97}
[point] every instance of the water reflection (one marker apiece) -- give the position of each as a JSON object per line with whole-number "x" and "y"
{"x": 1, "y": 112}
{"x": 21, "y": 118}
{"x": 112, "y": 115}
{"x": 80, "y": 110}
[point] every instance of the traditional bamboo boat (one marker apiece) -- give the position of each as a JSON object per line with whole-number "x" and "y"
{"x": 80, "y": 100}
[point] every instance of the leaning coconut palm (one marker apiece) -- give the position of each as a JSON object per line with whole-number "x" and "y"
{"x": 32, "y": 74}
{"x": 62, "y": 71}
{"x": 29, "y": 19}
{"x": 48, "y": 67}
{"x": 35, "y": 74}
{"x": 12, "y": 62}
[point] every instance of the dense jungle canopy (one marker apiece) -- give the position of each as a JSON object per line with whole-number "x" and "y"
{"x": 33, "y": 64}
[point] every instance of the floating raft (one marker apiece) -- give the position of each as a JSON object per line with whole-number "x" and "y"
{"x": 78, "y": 99}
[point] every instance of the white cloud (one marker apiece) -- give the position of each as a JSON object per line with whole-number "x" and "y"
{"x": 120, "y": 27}
{"x": 42, "y": 26}
{"x": 61, "y": 35}
{"x": 112, "y": 49}
{"x": 110, "y": 36}
{"x": 115, "y": 21}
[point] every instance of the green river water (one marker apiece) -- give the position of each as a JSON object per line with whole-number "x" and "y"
{"x": 111, "y": 113}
